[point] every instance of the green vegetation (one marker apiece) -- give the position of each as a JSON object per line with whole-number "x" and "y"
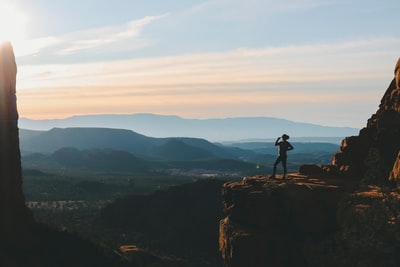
{"x": 68, "y": 185}
{"x": 71, "y": 185}
{"x": 72, "y": 201}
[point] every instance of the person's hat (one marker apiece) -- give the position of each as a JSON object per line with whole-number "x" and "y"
{"x": 285, "y": 136}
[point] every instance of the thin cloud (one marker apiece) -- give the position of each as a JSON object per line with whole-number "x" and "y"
{"x": 306, "y": 63}
{"x": 306, "y": 77}
{"x": 94, "y": 38}
{"x": 84, "y": 41}
{"x": 252, "y": 8}
{"x": 34, "y": 46}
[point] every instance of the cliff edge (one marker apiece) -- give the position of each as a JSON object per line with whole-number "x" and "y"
{"x": 343, "y": 214}
{"x": 271, "y": 223}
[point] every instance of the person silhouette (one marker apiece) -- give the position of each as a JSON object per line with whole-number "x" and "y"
{"x": 284, "y": 146}
{"x": 397, "y": 74}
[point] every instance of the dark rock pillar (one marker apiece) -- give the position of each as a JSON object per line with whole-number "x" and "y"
{"x": 15, "y": 218}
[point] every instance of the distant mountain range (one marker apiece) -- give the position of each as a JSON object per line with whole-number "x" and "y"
{"x": 104, "y": 149}
{"x": 125, "y": 140}
{"x": 215, "y": 130}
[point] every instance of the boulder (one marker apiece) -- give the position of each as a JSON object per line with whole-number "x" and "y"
{"x": 311, "y": 169}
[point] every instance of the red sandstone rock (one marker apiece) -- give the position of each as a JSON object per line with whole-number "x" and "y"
{"x": 270, "y": 223}
{"x": 379, "y": 141}
{"x": 266, "y": 220}
{"x": 395, "y": 174}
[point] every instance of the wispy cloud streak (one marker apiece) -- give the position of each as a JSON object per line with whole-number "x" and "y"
{"x": 237, "y": 9}
{"x": 85, "y": 40}
{"x": 292, "y": 64}
{"x": 308, "y": 78}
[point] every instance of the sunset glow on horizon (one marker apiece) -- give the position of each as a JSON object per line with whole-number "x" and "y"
{"x": 142, "y": 58}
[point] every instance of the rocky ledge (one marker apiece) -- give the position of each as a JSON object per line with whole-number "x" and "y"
{"x": 271, "y": 222}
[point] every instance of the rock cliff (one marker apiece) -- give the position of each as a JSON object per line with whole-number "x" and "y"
{"x": 289, "y": 222}
{"x": 16, "y": 219}
{"x": 271, "y": 223}
{"x": 23, "y": 242}
{"x": 182, "y": 220}
{"x": 371, "y": 154}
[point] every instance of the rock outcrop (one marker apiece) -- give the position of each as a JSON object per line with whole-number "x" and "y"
{"x": 372, "y": 153}
{"x": 281, "y": 223}
{"x": 16, "y": 219}
{"x": 271, "y": 223}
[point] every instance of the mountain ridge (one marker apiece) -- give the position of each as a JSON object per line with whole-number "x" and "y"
{"x": 213, "y": 129}
{"x": 71, "y": 146}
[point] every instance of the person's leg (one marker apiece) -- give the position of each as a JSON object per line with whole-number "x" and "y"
{"x": 284, "y": 167}
{"x": 277, "y": 161}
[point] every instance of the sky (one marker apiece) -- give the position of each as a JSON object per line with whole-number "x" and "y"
{"x": 325, "y": 62}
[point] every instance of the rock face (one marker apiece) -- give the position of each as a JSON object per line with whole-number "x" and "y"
{"x": 277, "y": 223}
{"x": 15, "y": 217}
{"x": 271, "y": 223}
{"x": 372, "y": 153}
{"x": 22, "y": 241}
{"x": 395, "y": 173}
{"x": 182, "y": 220}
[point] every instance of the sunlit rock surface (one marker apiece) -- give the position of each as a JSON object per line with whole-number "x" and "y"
{"x": 395, "y": 173}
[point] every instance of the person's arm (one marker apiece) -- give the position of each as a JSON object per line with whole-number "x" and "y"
{"x": 290, "y": 147}
{"x": 277, "y": 141}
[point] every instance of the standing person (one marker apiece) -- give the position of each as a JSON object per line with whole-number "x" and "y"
{"x": 284, "y": 146}
{"x": 397, "y": 74}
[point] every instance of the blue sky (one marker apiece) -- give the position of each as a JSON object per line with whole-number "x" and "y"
{"x": 324, "y": 62}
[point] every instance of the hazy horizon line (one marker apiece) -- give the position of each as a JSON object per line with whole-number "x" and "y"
{"x": 182, "y": 117}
